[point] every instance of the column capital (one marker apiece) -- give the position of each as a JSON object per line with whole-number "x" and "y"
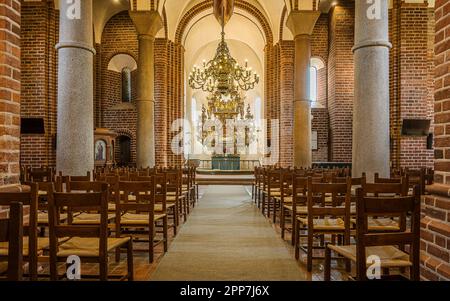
{"x": 147, "y": 23}
{"x": 302, "y": 22}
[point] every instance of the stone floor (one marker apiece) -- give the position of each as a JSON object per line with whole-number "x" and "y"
{"x": 225, "y": 238}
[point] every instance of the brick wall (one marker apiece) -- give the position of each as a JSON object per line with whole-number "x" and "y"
{"x": 40, "y": 26}
{"x": 320, "y": 124}
{"x": 411, "y": 80}
{"x": 435, "y": 237}
{"x": 442, "y": 93}
{"x": 10, "y": 84}
{"x": 340, "y": 80}
{"x": 435, "y": 223}
{"x": 10, "y": 75}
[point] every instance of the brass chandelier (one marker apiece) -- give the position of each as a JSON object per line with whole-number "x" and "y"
{"x": 223, "y": 74}
{"x": 225, "y": 81}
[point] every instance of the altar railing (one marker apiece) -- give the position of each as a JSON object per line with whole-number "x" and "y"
{"x": 244, "y": 164}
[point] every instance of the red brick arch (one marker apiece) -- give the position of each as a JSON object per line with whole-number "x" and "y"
{"x": 207, "y": 4}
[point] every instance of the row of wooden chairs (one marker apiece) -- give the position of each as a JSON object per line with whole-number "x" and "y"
{"x": 324, "y": 208}
{"x": 81, "y": 215}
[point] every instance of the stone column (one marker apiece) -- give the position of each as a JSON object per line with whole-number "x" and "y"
{"x": 371, "y": 103}
{"x": 147, "y": 24}
{"x": 75, "y": 125}
{"x": 301, "y": 24}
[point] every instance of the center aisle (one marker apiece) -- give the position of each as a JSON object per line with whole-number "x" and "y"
{"x": 226, "y": 238}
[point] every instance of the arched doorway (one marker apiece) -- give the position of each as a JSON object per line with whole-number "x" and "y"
{"x": 124, "y": 158}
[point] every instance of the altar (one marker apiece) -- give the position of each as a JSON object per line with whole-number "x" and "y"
{"x": 226, "y": 162}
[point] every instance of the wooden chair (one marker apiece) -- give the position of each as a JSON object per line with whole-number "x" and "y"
{"x": 138, "y": 212}
{"x": 294, "y": 205}
{"x": 11, "y": 232}
{"x": 321, "y": 220}
{"x": 32, "y": 245}
{"x": 383, "y": 245}
{"x": 162, "y": 206}
{"x": 90, "y": 242}
{"x": 173, "y": 198}
{"x": 271, "y": 190}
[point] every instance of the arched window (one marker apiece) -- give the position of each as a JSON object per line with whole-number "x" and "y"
{"x": 313, "y": 85}
{"x": 317, "y": 85}
{"x": 124, "y": 64}
{"x": 126, "y": 84}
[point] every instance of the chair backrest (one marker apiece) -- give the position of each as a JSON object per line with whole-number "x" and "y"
{"x": 11, "y": 231}
{"x": 416, "y": 177}
{"x": 40, "y": 175}
{"x": 399, "y": 188}
{"x": 355, "y": 181}
{"x": 85, "y": 178}
{"x": 113, "y": 181}
{"x": 380, "y": 180}
{"x": 340, "y": 193}
{"x": 94, "y": 200}
{"x": 160, "y": 184}
{"x": 274, "y": 179}
{"x": 299, "y": 190}
{"x": 144, "y": 193}
{"x": 368, "y": 206}
{"x": 173, "y": 181}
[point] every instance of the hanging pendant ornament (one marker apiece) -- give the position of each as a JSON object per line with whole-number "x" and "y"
{"x": 223, "y": 10}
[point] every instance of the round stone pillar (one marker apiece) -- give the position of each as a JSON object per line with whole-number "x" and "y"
{"x": 302, "y": 102}
{"x": 301, "y": 24}
{"x": 75, "y": 120}
{"x": 147, "y": 24}
{"x": 371, "y": 152}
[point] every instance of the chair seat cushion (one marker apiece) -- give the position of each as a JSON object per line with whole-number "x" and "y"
{"x": 90, "y": 218}
{"x": 381, "y": 224}
{"x": 390, "y": 256}
{"x": 88, "y": 247}
{"x": 3, "y": 267}
{"x": 171, "y": 198}
{"x": 302, "y": 210}
{"x": 325, "y": 223}
{"x": 138, "y": 219}
{"x": 286, "y": 200}
{"x": 43, "y": 218}
{"x": 42, "y": 243}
